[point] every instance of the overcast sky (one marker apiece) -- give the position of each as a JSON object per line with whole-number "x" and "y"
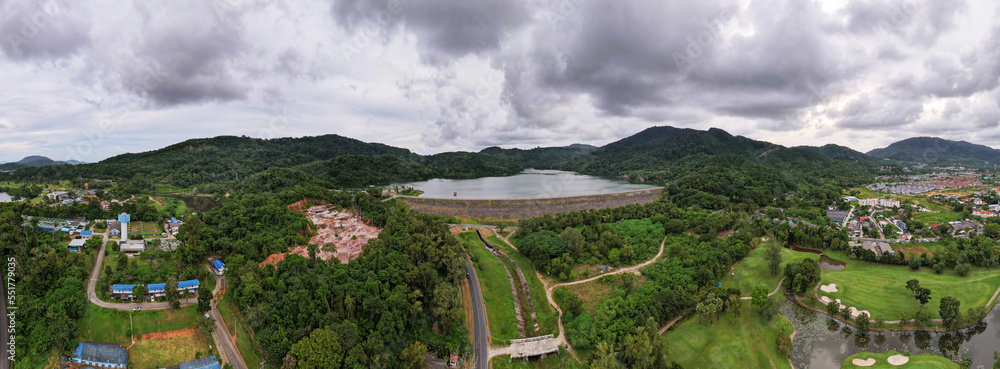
{"x": 86, "y": 80}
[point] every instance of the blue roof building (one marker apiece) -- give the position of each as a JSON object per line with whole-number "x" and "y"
{"x": 87, "y": 233}
{"x": 101, "y": 355}
{"x": 208, "y": 362}
{"x": 188, "y": 284}
{"x": 219, "y": 266}
{"x": 122, "y": 290}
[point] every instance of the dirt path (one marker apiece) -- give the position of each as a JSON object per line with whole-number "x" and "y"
{"x": 549, "y": 288}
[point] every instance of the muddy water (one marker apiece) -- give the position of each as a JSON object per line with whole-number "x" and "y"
{"x": 823, "y": 343}
{"x": 825, "y": 263}
{"x": 200, "y": 204}
{"x": 529, "y": 184}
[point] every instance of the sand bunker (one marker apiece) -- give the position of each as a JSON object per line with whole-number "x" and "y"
{"x": 830, "y": 288}
{"x": 825, "y": 300}
{"x": 898, "y": 360}
{"x": 860, "y": 362}
{"x": 854, "y": 311}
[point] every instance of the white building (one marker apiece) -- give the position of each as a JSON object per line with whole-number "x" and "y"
{"x": 886, "y": 203}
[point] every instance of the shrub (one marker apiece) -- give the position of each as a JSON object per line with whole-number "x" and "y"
{"x": 939, "y": 268}
{"x": 963, "y": 269}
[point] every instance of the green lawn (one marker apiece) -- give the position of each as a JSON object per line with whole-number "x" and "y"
{"x": 922, "y": 361}
{"x": 881, "y": 289}
{"x": 547, "y": 317}
{"x": 750, "y": 344}
{"x": 105, "y": 325}
{"x": 108, "y": 325}
{"x": 753, "y": 270}
{"x": 149, "y": 321}
{"x": 495, "y": 287}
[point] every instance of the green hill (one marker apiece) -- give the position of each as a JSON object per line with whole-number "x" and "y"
{"x": 933, "y": 150}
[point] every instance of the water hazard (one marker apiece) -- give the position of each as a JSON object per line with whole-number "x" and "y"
{"x": 528, "y": 184}
{"x": 825, "y": 263}
{"x": 823, "y": 343}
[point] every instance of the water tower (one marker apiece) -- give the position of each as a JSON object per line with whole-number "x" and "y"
{"x": 124, "y": 218}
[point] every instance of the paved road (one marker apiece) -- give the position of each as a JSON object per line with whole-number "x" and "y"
{"x": 225, "y": 341}
{"x": 480, "y": 340}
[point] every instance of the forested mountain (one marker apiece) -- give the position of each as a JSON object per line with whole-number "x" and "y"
{"x": 933, "y": 150}
{"x": 34, "y": 161}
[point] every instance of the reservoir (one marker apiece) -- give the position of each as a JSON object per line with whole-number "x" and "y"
{"x": 4, "y": 197}
{"x": 529, "y": 184}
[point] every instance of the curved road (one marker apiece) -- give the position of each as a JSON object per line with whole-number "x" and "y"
{"x": 226, "y": 342}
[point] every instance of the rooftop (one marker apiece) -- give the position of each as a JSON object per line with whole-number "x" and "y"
{"x": 101, "y": 352}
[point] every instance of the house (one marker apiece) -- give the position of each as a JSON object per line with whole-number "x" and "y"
{"x": 122, "y": 291}
{"x": 57, "y": 195}
{"x": 878, "y": 247}
{"x": 105, "y": 206}
{"x": 114, "y": 228}
{"x": 160, "y": 289}
{"x": 188, "y": 285}
{"x": 983, "y": 213}
{"x": 87, "y": 234}
{"x": 218, "y": 266}
{"x": 101, "y": 355}
{"x": 77, "y": 245}
{"x": 208, "y": 362}
{"x": 901, "y": 225}
{"x": 133, "y": 247}
{"x": 850, "y": 199}
{"x": 172, "y": 226}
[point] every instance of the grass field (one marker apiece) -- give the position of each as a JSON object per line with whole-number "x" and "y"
{"x": 752, "y": 343}
{"x": 108, "y": 325}
{"x": 752, "y": 271}
{"x": 495, "y": 287}
{"x": 547, "y": 317}
{"x": 881, "y": 289}
{"x": 144, "y": 228}
{"x": 922, "y": 361}
{"x": 164, "y": 352}
{"x": 105, "y": 325}
{"x": 592, "y": 293}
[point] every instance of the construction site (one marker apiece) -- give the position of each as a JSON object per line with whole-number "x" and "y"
{"x": 339, "y": 233}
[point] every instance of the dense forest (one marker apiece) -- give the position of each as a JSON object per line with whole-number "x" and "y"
{"x": 710, "y": 168}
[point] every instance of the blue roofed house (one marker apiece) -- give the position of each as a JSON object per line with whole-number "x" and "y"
{"x": 122, "y": 291}
{"x": 100, "y": 355}
{"x": 189, "y": 285}
{"x": 218, "y": 266}
{"x": 156, "y": 289}
{"x": 87, "y": 234}
{"x": 208, "y": 362}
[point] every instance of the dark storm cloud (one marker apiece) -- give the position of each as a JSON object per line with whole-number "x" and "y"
{"x": 445, "y": 29}
{"x": 975, "y": 70}
{"x": 878, "y": 112}
{"x": 41, "y": 29}
{"x": 628, "y": 56}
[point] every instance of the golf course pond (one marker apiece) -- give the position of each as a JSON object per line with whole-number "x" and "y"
{"x": 823, "y": 343}
{"x": 825, "y": 262}
{"x": 529, "y": 184}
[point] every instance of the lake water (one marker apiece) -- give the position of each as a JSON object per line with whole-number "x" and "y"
{"x": 528, "y": 184}
{"x": 4, "y": 197}
{"x": 823, "y": 343}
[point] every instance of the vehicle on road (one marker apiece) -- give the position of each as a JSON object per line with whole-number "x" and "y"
{"x": 137, "y": 308}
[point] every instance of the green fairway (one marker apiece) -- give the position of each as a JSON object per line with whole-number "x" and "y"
{"x": 752, "y": 343}
{"x": 495, "y": 287}
{"x": 922, "y": 361}
{"x": 881, "y": 289}
{"x": 547, "y": 317}
{"x": 753, "y": 270}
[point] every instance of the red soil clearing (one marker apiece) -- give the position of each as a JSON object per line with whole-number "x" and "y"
{"x": 340, "y": 228}
{"x": 169, "y": 334}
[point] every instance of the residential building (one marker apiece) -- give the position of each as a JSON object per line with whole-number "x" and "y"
{"x": 850, "y": 199}
{"x": 77, "y": 245}
{"x": 172, "y": 226}
{"x": 57, "y": 195}
{"x": 133, "y": 247}
{"x": 885, "y": 203}
{"x": 105, "y": 206}
{"x": 101, "y": 355}
{"x": 87, "y": 234}
{"x": 208, "y": 362}
{"x": 122, "y": 291}
{"x": 983, "y": 213}
{"x": 218, "y": 266}
{"x": 114, "y": 228}
{"x": 868, "y": 202}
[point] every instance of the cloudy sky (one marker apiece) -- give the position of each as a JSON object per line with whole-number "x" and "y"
{"x": 86, "y": 80}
